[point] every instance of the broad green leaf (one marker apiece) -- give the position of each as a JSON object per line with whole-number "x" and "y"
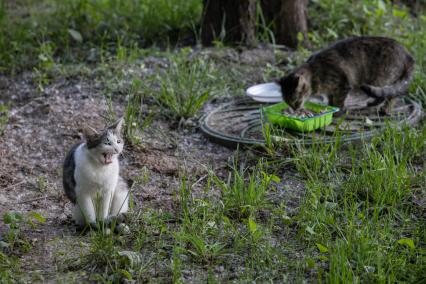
{"x": 399, "y": 13}
{"x": 407, "y": 242}
{"x": 226, "y": 220}
{"x": 126, "y": 274}
{"x": 322, "y": 248}
{"x": 310, "y": 263}
{"x": 332, "y": 33}
{"x": 275, "y": 179}
{"x": 310, "y": 230}
{"x": 75, "y": 35}
{"x": 381, "y": 5}
{"x": 252, "y": 226}
{"x": 323, "y": 258}
{"x": 43, "y": 57}
{"x": 38, "y": 217}
{"x": 12, "y": 217}
{"x": 7, "y": 218}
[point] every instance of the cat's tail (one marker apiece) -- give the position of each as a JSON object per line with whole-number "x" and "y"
{"x": 399, "y": 87}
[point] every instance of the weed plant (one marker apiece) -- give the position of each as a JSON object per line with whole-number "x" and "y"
{"x": 186, "y": 85}
{"x": 9, "y": 268}
{"x": 244, "y": 194}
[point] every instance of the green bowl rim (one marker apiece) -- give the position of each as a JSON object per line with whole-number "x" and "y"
{"x": 333, "y": 110}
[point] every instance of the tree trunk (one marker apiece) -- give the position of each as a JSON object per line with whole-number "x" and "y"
{"x": 231, "y": 21}
{"x": 413, "y": 5}
{"x": 271, "y": 10}
{"x": 290, "y": 18}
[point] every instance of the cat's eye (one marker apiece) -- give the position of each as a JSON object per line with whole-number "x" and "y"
{"x": 118, "y": 141}
{"x": 107, "y": 142}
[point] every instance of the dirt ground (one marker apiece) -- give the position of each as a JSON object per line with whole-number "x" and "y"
{"x": 44, "y": 125}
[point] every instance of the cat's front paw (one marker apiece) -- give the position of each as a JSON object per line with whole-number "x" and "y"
{"x": 122, "y": 229}
{"x": 84, "y": 228}
{"x": 118, "y": 222}
{"x": 120, "y": 218}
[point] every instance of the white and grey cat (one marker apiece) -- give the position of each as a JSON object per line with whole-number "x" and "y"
{"x": 91, "y": 176}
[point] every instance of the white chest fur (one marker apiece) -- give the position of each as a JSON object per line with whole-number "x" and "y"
{"x": 93, "y": 177}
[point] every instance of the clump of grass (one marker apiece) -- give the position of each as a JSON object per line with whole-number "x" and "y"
{"x": 45, "y": 65}
{"x": 212, "y": 236}
{"x": 14, "y": 237}
{"x": 102, "y": 250}
{"x": 245, "y": 197}
{"x": 9, "y": 268}
{"x": 186, "y": 85}
{"x": 133, "y": 115}
{"x": 109, "y": 262}
{"x": 200, "y": 226}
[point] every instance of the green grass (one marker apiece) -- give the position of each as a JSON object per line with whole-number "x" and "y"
{"x": 9, "y": 268}
{"x": 244, "y": 194}
{"x": 362, "y": 216}
{"x": 88, "y": 30}
{"x": 358, "y": 221}
{"x": 186, "y": 85}
{"x": 14, "y": 243}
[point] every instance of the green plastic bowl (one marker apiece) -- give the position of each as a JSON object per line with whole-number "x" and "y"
{"x": 275, "y": 115}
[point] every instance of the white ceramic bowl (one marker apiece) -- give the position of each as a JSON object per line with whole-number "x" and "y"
{"x": 267, "y": 93}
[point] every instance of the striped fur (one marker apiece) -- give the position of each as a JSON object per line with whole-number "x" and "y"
{"x": 378, "y": 66}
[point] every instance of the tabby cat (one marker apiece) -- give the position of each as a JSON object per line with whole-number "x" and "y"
{"x": 378, "y": 66}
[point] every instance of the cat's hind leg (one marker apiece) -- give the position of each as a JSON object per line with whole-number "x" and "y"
{"x": 84, "y": 211}
{"x": 77, "y": 216}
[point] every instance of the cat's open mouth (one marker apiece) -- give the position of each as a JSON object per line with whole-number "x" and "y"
{"x": 107, "y": 158}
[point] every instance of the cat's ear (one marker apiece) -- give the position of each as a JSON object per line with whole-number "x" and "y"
{"x": 302, "y": 72}
{"x": 297, "y": 75}
{"x": 118, "y": 125}
{"x": 296, "y": 78}
{"x": 89, "y": 132}
{"x": 283, "y": 79}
